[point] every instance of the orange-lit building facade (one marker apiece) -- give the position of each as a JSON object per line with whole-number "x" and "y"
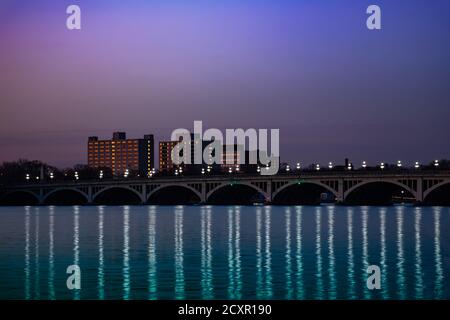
{"x": 120, "y": 154}
{"x": 165, "y": 155}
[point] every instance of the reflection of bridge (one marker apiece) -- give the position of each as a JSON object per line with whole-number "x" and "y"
{"x": 344, "y": 187}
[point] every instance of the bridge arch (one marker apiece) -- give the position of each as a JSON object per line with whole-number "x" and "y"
{"x": 72, "y": 196}
{"x": 351, "y": 194}
{"x": 323, "y": 187}
{"x": 247, "y": 189}
{"x": 117, "y": 194}
{"x": 19, "y": 197}
{"x": 439, "y": 194}
{"x": 174, "y": 193}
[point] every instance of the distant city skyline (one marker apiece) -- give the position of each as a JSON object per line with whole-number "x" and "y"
{"x": 311, "y": 69}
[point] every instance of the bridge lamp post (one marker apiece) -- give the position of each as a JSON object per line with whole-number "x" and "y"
{"x": 382, "y": 166}
{"x": 230, "y": 170}
{"x": 127, "y": 172}
{"x": 399, "y": 164}
{"x": 417, "y": 165}
{"x": 330, "y": 165}
{"x": 317, "y": 167}
{"x": 176, "y": 172}
{"x": 76, "y": 175}
{"x": 27, "y": 176}
{"x": 101, "y": 174}
{"x": 238, "y": 168}
{"x": 298, "y": 166}
{"x": 203, "y": 171}
{"x": 51, "y": 175}
{"x": 288, "y": 168}
{"x": 436, "y": 163}
{"x": 208, "y": 169}
{"x": 364, "y": 164}
{"x": 258, "y": 169}
{"x": 349, "y": 167}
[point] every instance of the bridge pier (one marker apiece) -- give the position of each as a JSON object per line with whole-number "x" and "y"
{"x": 340, "y": 194}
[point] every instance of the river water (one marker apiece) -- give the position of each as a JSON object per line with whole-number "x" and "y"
{"x": 224, "y": 252}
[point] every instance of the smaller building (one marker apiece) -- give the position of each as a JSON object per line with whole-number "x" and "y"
{"x": 165, "y": 156}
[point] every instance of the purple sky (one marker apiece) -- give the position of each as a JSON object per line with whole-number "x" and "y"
{"x": 309, "y": 68}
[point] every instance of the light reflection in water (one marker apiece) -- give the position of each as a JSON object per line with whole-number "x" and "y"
{"x": 365, "y": 250}
{"x": 234, "y": 253}
{"x": 179, "y": 255}
{"x": 322, "y": 263}
{"x": 126, "y": 253}
{"x": 206, "y": 258}
{"x": 289, "y": 290}
{"x": 268, "y": 264}
{"x": 76, "y": 242}
{"x": 400, "y": 254}
{"x": 152, "y": 277}
{"x": 319, "y": 281}
{"x": 437, "y": 253}
{"x": 231, "y": 284}
{"x": 259, "y": 271}
{"x": 27, "y": 253}
{"x": 331, "y": 258}
{"x": 418, "y": 253}
{"x": 237, "y": 257}
{"x": 51, "y": 259}
{"x": 37, "y": 292}
{"x": 350, "y": 255}
{"x": 300, "y": 288}
{"x": 101, "y": 273}
{"x": 384, "y": 271}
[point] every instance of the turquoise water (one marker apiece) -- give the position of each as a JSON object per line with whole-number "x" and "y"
{"x": 225, "y": 252}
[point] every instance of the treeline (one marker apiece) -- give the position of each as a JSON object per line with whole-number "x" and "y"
{"x": 34, "y": 171}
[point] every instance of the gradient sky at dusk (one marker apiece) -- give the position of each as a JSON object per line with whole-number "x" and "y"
{"x": 310, "y": 68}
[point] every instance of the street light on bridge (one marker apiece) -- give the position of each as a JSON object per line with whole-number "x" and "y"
{"x": 436, "y": 163}
{"x": 317, "y": 167}
{"x": 382, "y": 166}
{"x": 399, "y": 164}
{"x": 417, "y": 165}
{"x": 27, "y": 177}
{"x": 330, "y": 165}
{"x": 288, "y": 168}
{"x": 298, "y": 166}
{"x": 364, "y": 164}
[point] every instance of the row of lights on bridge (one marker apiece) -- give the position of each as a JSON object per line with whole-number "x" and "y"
{"x": 364, "y": 165}
{"x": 208, "y": 169}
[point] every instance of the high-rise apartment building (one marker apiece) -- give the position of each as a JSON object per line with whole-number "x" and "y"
{"x": 120, "y": 154}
